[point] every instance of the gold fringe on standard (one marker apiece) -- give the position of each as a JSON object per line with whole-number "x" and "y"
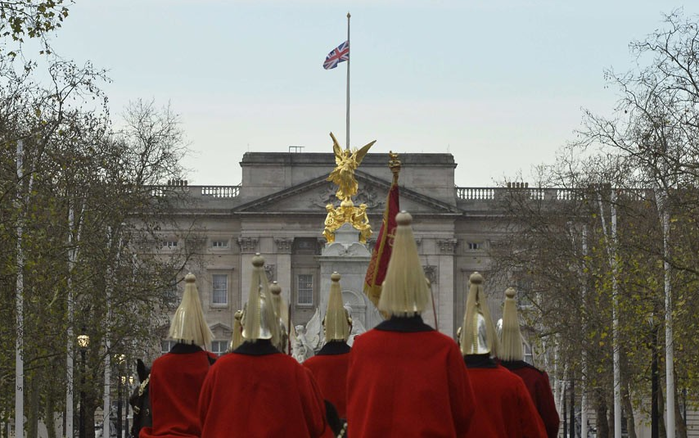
{"x": 259, "y": 320}
{"x": 189, "y": 325}
{"x": 511, "y": 337}
{"x": 337, "y": 327}
{"x": 477, "y": 321}
{"x": 404, "y": 291}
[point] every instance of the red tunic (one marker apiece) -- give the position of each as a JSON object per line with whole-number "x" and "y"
{"x": 406, "y": 379}
{"x": 329, "y": 367}
{"x": 504, "y": 408}
{"x": 175, "y": 382}
{"x": 256, "y": 391}
{"x": 537, "y": 383}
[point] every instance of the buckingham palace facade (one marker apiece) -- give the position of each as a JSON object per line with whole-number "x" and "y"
{"x": 279, "y": 209}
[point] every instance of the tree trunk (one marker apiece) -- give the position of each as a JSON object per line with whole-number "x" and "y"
{"x": 661, "y": 409}
{"x": 33, "y": 413}
{"x": 602, "y": 424}
{"x": 50, "y": 415}
{"x": 680, "y": 424}
{"x": 572, "y": 407}
{"x": 628, "y": 409}
{"x": 90, "y": 409}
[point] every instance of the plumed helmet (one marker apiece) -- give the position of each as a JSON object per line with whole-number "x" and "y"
{"x": 337, "y": 321}
{"x": 259, "y": 320}
{"x": 404, "y": 291}
{"x": 477, "y": 335}
{"x": 189, "y": 325}
{"x": 511, "y": 337}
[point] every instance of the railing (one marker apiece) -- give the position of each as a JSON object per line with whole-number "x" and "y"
{"x": 475, "y": 193}
{"x": 462, "y": 193}
{"x": 540, "y": 194}
{"x": 220, "y": 191}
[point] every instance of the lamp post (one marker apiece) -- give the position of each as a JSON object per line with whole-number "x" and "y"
{"x": 83, "y": 343}
{"x": 654, "y": 377}
{"x": 127, "y": 381}
{"x": 120, "y": 359}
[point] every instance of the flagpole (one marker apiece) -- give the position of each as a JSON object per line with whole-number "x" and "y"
{"x": 347, "y": 124}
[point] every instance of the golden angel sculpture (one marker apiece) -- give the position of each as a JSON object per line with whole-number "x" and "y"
{"x": 343, "y": 176}
{"x": 346, "y": 163}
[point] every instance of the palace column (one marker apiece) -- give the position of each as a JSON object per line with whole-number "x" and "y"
{"x": 283, "y": 269}
{"x": 444, "y": 290}
{"x": 248, "y": 247}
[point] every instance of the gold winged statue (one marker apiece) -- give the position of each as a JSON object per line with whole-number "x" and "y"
{"x": 343, "y": 176}
{"x": 346, "y": 163}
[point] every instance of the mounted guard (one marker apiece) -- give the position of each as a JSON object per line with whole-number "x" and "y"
{"x": 256, "y": 390}
{"x": 405, "y": 378}
{"x": 512, "y": 358}
{"x": 176, "y": 377}
{"x": 330, "y": 364}
{"x": 504, "y": 408}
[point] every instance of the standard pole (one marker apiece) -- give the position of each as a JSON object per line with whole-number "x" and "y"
{"x": 347, "y": 112}
{"x": 19, "y": 306}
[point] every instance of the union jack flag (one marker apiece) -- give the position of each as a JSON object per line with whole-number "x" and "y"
{"x": 339, "y": 54}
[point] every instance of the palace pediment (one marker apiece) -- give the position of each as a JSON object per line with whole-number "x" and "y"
{"x": 313, "y": 195}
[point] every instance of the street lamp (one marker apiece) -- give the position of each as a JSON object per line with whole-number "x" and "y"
{"x": 653, "y": 344}
{"x": 83, "y": 343}
{"x": 120, "y": 359}
{"x": 128, "y": 383}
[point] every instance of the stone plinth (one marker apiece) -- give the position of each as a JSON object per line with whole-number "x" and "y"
{"x": 350, "y": 259}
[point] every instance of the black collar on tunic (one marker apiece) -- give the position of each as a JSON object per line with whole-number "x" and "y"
{"x": 334, "y": 347}
{"x": 408, "y": 324}
{"x": 517, "y": 364}
{"x": 261, "y": 347}
{"x": 181, "y": 348}
{"x": 479, "y": 361}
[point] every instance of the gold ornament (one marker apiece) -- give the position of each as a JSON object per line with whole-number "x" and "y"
{"x": 343, "y": 176}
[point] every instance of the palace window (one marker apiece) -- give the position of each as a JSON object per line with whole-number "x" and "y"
{"x": 219, "y": 244}
{"x": 170, "y": 244}
{"x": 219, "y": 292}
{"x": 304, "y": 289}
{"x": 219, "y": 347}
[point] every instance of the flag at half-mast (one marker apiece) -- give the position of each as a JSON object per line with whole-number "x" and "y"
{"x": 381, "y": 254}
{"x": 336, "y": 56}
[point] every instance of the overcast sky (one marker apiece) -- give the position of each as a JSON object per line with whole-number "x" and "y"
{"x": 498, "y": 83}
